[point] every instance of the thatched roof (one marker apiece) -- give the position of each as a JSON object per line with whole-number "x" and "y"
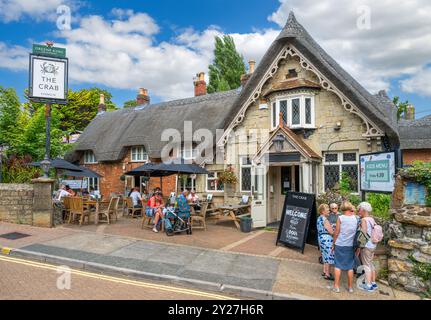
{"x": 110, "y": 134}
{"x": 415, "y": 134}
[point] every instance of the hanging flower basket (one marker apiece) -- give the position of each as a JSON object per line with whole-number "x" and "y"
{"x": 228, "y": 177}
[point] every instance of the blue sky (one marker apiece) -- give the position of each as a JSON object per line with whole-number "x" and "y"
{"x": 107, "y": 49}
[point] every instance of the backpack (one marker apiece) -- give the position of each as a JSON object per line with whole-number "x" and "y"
{"x": 376, "y": 233}
{"x": 361, "y": 238}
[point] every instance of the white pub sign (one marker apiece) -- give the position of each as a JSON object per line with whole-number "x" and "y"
{"x": 48, "y": 79}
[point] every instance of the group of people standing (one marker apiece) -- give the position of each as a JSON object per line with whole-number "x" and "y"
{"x": 337, "y": 234}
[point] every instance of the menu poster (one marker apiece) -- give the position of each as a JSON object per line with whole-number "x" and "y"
{"x": 299, "y": 210}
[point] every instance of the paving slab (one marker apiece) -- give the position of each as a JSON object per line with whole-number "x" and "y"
{"x": 91, "y": 242}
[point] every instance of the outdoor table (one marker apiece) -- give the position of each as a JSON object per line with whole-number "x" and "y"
{"x": 231, "y": 212}
{"x": 97, "y": 204}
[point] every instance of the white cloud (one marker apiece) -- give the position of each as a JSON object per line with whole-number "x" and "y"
{"x": 13, "y": 57}
{"x": 418, "y": 83}
{"x": 14, "y": 10}
{"x": 398, "y": 43}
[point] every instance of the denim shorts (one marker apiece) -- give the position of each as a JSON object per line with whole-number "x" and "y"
{"x": 150, "y": 212}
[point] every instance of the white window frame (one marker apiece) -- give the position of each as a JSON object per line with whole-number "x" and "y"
{"x": 241, "y": 166}
{"x": 94, "y": 182}
{"x": 139, "y": 153}
{"x": 216, "y": 185}
{"x": 289, "y": 99}
{"x": 340, "y": 164}
{"x": 89, "y": 157}
{"x": 189, "y": 153}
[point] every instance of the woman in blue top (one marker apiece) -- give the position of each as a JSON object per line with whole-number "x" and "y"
{"x": 325, "y": 231}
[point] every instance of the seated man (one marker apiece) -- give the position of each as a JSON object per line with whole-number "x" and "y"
{"x": 62, "y": 193}
{"x": 136, "y": 198}
{"x": 155, "y": 209}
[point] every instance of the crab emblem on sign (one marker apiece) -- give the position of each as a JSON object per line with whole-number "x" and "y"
{"x": 49, "y": 68}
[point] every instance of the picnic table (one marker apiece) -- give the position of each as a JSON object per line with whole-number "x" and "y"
{"x": 232, "y": 212}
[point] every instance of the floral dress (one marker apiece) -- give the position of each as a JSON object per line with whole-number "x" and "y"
{"x": 325, "y": 241}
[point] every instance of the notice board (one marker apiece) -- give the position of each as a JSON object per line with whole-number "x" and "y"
{"x": 298, "y": 221}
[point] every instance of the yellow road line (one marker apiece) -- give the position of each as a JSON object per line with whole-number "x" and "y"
{"x": 118, "y": 280}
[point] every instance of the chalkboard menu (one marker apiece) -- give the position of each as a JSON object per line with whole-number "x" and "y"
{"x": 298, "y": 212}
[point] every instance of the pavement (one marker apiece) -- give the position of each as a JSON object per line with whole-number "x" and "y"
{"x": 248, "y": 265}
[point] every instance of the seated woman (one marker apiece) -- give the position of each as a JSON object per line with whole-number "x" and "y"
{"x": 155, "y": 209}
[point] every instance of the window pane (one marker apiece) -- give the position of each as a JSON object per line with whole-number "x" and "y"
{"x": 274, "y": 115}
{"x": 349, "y": 157}
{"x": 307, "y": 110}
{"x": 283, "y": 110}
{"x": 220, "y": 187}
{"x": 332, "y": 176}
{"x": 245, "y": 161}
{"x": 296, "y": 118}
{"x": 246, "y": 179}
{"x": 352, "y": 172}
{"x": 331, "y": 157}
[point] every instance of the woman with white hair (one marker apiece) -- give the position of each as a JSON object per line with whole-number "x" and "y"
{"x": 367, "y": 253}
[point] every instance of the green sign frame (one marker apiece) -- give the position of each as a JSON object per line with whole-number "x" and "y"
{"x": 42, "y": 50}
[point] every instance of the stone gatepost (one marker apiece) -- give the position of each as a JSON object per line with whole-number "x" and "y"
{"x": 42, "y": 202}
{"x": 410, "y": 237}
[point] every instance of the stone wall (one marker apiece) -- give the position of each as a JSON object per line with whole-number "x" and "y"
{"x": 410, "y": 233}
{"x": 16, "y": 203}
{"x": 29, "y": 204}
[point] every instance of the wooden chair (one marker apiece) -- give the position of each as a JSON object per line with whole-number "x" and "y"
{"x": 77, "y": 209}
{"x": 200, "y": 218}
{"x": 148, "y": 222}
{"x": 66, "y": 208}
{"x": 131, "y": 210}
{"x": 110, "y": 210}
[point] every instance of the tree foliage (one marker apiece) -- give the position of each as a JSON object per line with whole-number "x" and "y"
{"x": 401, "y": 107}
{"x": 9, "y": 116}
{"x": 130, "y": 104}
{"x": 227, "y": 68}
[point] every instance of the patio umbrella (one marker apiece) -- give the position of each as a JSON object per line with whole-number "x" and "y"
{"x": 85, "y": 173}
{"x": 59, "y": 164}
{"x": 163, "y": 170}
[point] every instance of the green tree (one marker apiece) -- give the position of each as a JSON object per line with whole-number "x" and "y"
{"x": 130, "y": 104}
{"x": 228, "y": 66}
{"x": 80, "y": 109}
{"x": 32, "y": 140}
{"x": 401, "y": 107}
{"x": 10, "y": 110}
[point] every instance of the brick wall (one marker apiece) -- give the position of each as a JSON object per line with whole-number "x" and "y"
{"x": 16, "y": 203}
{"x": 409, "y": 156}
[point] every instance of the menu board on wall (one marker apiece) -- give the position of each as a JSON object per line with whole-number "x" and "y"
{"x": 298, "y": 212}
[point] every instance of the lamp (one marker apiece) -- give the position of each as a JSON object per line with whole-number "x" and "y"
{"x": 279, "y": 142}
{"x": 45, "y": 165}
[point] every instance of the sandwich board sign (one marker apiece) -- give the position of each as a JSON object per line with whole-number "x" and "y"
{"x": 298, "y": 221}
{"x": 378, "y": 171}
{"x": 48, "y": 80}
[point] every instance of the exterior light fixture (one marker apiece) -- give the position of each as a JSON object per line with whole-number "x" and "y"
{"x": 279, "y": 142}
{"x": 45, "y": 165}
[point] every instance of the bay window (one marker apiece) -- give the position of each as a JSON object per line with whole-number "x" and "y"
{"x": 297, "y": 111}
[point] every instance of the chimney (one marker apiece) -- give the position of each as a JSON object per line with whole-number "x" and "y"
{"x": 246, "y": 77}
{"x": 410, "y": 112}
{"x": 102, "y": 107}
{"x": 143, "y": 98}
{"x": 200, "y": 85}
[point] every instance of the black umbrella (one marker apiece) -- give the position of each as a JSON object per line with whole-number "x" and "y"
{"x": 85, "y": 173}
{"x": 162, "y": 169}
{"x": 59, "y": 164}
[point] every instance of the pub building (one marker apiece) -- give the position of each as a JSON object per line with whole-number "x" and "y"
{"x": 309, "y": 118}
